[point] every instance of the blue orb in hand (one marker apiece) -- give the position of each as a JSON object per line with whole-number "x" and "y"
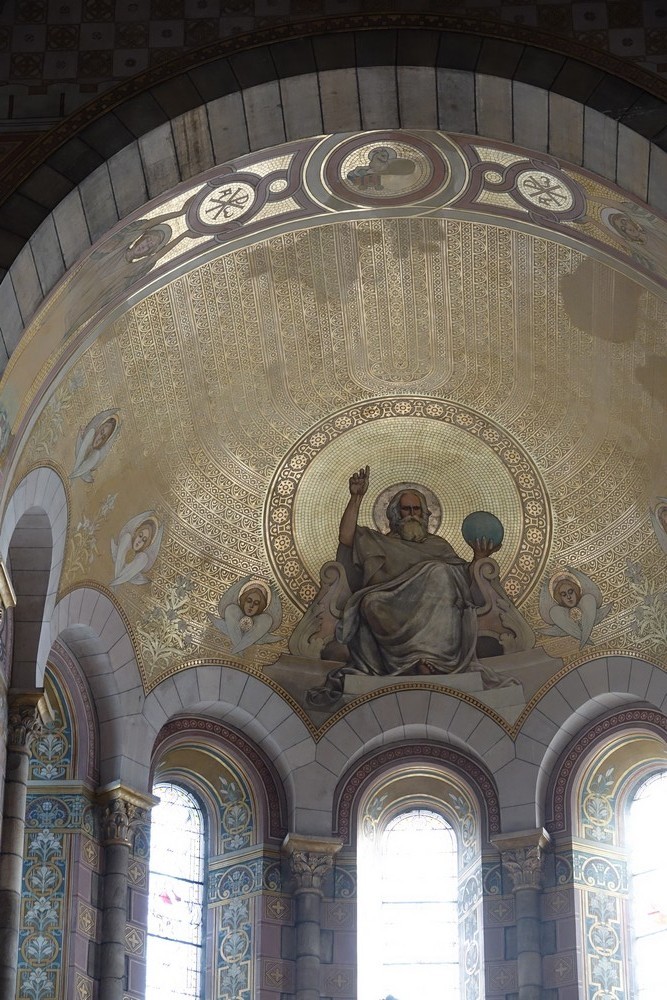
{"x": 481, "y": 524}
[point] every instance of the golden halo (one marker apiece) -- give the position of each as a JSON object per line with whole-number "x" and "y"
{"x": 256, "y": 584}
{"x": 383, "y": 498}
{"x": 466, "y": 457}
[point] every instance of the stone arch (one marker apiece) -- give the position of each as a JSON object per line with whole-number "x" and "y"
{"x": 315, "y": 51}
{"x": 425, "y": 717}
{"x": 583, "y": 696}
{"x": 243, "y": 807}
{"x": 150, "y": 144}
{"x": 33, "y": 542}
{"x": 257, "y": 768}
{"x": 382, "y": 789}
{"x": 356, "y": 779}
{"x": 587, "y": 801}
{"x": 426, "y": 714}
{"x": 232, "y": 697}
{"x": 581, "y": 751}
{"x": 88, "y": 624}
{"x": 87, "y": 627}
{"x": 64, "y": 667}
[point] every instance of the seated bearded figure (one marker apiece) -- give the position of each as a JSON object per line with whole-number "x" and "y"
{"x": 411, "y": 609}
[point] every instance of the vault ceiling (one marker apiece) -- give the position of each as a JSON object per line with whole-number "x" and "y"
{"x": 506, "y": 366}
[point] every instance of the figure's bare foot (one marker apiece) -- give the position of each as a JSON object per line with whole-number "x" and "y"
{"x": 329, "y": 693}
{"x": 424, "y": 669}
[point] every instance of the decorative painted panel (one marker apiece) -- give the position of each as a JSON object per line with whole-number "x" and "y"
{"x": 53, "y": 818}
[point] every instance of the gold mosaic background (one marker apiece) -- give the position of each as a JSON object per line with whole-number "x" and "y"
{"x": 217, "y": 375}
{"x": 440, "y": 446}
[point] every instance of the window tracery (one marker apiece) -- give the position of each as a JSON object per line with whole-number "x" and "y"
{"x": 420, "y": 888}
{"x": 176, "y": 898}
{"x": 647, "y": 814}
{"x": 619, "y": 876}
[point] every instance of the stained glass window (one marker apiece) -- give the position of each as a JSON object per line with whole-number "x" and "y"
{"x": 648, "y": 868}
{"x": 174, "y": 960}
{"x": 415, "y": 884}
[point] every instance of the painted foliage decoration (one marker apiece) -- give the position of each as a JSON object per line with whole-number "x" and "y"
{"x": 55, "y": 821}
{"x": 336, "y": 286}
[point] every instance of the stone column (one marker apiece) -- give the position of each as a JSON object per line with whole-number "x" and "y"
{"x": 522, "y": 856}
{"x": 122, "y": 809}
{"x": 27, "y": 712}
{"x": 311, "y": 860}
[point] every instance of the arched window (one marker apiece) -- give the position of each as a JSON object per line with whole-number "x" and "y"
{"x": 419, "y": 915}
{"x": 174, "y": 960}
{"x": 418, "y": 888}
{"x": 647, "y": 820}
{"x": 612, "y": 857}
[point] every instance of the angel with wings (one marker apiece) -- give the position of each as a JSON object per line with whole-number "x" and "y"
{"x": 136, "y": 549}
{"x": 572, "y": 605}
{"x": 658, "y": 515}
{"x": 93, "y": 444}
{"x": 248, "y": 612}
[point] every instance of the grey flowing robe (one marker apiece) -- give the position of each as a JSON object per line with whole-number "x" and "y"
{"x": 414, "y": 603}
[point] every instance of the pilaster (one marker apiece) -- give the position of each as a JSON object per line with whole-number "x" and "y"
{"x": 311, "y": 861}
{"x": 27, "y": 712}
{"x": 123, "y": 813}
{"x": 522, "y": 855}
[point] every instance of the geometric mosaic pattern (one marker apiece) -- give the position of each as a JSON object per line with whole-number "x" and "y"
{"x": 104, "y": 42}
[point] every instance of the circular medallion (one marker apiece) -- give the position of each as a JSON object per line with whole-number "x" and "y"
{"x": 546, "y": 193}
{"x": 443, "y": 449}
{"x": 545, "y": 190}
{"x": 392, "y": 169}
{"x": 223, "y": 201}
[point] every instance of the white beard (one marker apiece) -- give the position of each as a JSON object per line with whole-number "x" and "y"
{"x": 412, "y": 530}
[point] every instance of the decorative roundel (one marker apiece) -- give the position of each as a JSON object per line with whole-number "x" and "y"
{"x": 464, "y": 463}
{"x": 391, "y": 169}
{"x": 548, "y": 193}
{"x": 225, "y": 200}
{"x": 543, "y": 189}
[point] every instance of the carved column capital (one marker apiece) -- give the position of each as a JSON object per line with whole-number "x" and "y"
{"x": 522, "y": 856}
{"x": 122, "y": 809}
{"x": 311, "y": 858}
{"x": 310, "y": 869}
{"x": 27, "y": 712}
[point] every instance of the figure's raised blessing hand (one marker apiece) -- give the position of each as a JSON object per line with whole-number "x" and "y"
{"x": 359, "y": 482}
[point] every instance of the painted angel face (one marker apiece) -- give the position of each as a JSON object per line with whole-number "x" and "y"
{"x": 142, "y": 537}
{"x": 661, "y": 514}
{"x": 104, "y": 432}
{"x": 253, "y": 603}
{"x": 148, "y": 243}
{"x": 628, "y": 228}
{"x": 567, "y": 594}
